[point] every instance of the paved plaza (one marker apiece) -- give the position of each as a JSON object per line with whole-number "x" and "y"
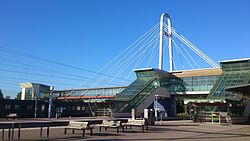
{"x": 169, "y": 130}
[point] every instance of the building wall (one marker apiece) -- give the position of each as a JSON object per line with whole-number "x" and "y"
{"x": 32, "y": 91}
{"x": 23, "y": 108}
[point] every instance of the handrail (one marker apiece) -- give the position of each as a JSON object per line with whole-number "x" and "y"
{"x": 213, "y": 117}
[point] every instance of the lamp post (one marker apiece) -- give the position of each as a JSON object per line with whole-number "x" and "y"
{"x": 156, "y": 108}
{"x": 35, "y": 104}
{"x": 51, "y": 88}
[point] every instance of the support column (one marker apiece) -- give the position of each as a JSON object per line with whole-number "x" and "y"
{"x": 169, "y": 35}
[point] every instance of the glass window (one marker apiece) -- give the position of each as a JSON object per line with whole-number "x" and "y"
{"x": 144, "y": 74}
{"x": 43, "y": 107}
{"x": 28, "y": 93}
{"x": 83, "y": 108}
{"x": 73, "y": 108}
{"x": 30, "y": 107}
{"x": 17, "y": 107}
{"x": 7, "y": 107}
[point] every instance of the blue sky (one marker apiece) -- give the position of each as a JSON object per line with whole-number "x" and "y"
{"x": 89, "y": 33}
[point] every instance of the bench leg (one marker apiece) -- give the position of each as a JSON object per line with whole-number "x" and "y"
{"x": 9, "y": 134}
{"x": 123, "y": 129}
{"x": 142, "y": 128}
{"x": 48, "y": 131}
{"x": 3, "y": 134}
{"x": 41, "y": 131}
{"x": 73, "y": 131}
{"x": 130, "y": 126}
{"x": 65, "y": 130}
{"x": 12, "y": 134}
{"x": 83, "y": 132}
{"x": 19, "y": 132}
{"x": 117, "y": 129}
{"x": 100, "y": 128}
{"x": 91, "y": 131}
{"x": 106, "y": 128}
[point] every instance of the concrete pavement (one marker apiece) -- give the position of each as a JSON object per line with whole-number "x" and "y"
{"x": 169, "y": 130}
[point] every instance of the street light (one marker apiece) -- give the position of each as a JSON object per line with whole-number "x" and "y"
{"x": 156, "y": 108}
{"x": 51, "y": 88}
{"x": 34, "y": 95}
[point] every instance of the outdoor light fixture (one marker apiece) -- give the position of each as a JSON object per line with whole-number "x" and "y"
{"x": 51, "y": 88}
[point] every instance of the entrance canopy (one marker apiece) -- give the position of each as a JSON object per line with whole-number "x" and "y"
{"x": 208, "y": 101}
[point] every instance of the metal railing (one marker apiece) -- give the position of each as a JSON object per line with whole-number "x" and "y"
{"x": 213, "y": 117}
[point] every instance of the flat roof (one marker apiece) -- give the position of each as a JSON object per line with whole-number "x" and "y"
{"x": 157, "y": 71}
{"x": 81, "y": 89}
{"x": 187, "y": 73}
{"x": 31, "y": 84}
{"x": 235, "y": 60}
{"x": 143, "y": 69}
{"x": 198, "y": 72}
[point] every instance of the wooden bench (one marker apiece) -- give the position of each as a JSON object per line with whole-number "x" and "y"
{"x": 136, "y": 122}
{"x": 8, "y": 126}
{"x": 12, "y": 116}
{"x": 76, "y": 125}
{"x": 110, "y": 124}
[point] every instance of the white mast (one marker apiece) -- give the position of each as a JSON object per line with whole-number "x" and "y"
{"x": 169, "y": 35}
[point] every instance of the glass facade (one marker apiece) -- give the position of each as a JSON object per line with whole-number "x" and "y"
{"x": 28, "y": 94}
{"x": 134, "y": 88}
{"x": 32, "y": 91}
{"x": 137, "y": 100}
{"x": 43, "y": 92}
{"x": 234, "y": 73}
{"x": 147, "y": 81}
{"x": 145, "y": 74}
{"x": 89, "y": 92}
{"x": 197, "y": 83}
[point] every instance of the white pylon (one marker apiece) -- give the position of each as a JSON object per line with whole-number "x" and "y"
{"x": 169, "y": 35}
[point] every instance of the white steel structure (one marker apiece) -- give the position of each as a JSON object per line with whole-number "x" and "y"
{"x": 169, "y": 35}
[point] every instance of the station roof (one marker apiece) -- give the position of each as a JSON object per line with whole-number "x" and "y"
{"x": 198, "y": 72}
{"x": 31, "y": 84}
{"x": 88, "y": 89}
{"x": 185, "y": 73}
{"x": 235, "y": 60}
{"x": 156, "y": 71}
{"x": 84, "y": 97}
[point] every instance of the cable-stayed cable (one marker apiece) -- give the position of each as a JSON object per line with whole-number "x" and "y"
{"x": 50, "y": 61}
{"x": 183, "y": 54}
{"x": 194, "y": 48}
{"x": 125, "y": 53}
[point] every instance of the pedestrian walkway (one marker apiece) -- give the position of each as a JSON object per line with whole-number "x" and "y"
{"x": 169, "y": 130}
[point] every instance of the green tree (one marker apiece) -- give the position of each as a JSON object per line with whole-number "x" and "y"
{"x": 18, "y": 96}
{"x": 1, "y": 94}
{"x": 7, "y": 97}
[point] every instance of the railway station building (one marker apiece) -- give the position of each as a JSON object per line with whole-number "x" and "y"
{"x": 177, "y": 93}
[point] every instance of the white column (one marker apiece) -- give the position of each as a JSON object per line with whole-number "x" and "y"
{"x": 161, "y": 41}
{"x": 23, "y": 93}
{"x": 169, "y": 35}
{"x": 170, "y": 44}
